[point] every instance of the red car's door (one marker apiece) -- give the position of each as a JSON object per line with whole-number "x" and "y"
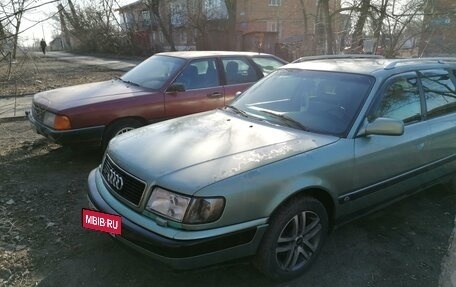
{"x": 239, "y": 74}
{"x": 202, "y": 89}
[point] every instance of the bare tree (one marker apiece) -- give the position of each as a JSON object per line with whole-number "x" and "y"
{"x": 323, "y": 31}
{"x": 64, "y": 27}
{"x": 358, "y": 35}
{"x": 92, "y": 27}
{"x": 231, "y": 24}
{"x": 158, "y": 8}
{"x": 212, "y": 24}
{"x": 378, "y": 22}
{"x": 15, "y": 10}
{"x": 304, "y": 17}
{"x": 196, "y": 20}
{"x": 403, "y": 27}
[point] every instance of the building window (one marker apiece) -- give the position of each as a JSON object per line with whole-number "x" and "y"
{"x": 145, "y": 18}
{"x": 178, "y": 14}
{"x": 275, "y": 2}
{"x": 272, "y": 26}
{"x": 215, "y": 9}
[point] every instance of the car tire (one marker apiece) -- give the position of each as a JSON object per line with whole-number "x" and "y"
{"x": 289, "y": 247}
{"x": 117, "y": 128}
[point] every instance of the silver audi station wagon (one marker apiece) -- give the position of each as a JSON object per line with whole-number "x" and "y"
{"x": 314, "y": 144}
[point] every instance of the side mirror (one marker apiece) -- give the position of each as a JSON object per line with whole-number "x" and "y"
{"x": 176, "y": 87}
{"x": 238, "y": 93}
{"x": 385, "y": 127}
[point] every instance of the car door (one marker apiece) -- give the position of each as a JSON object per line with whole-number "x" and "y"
{"x": 201, "y": 91}
{"x": 440, "y": 102}
{"x": 239, "y": 74}
{"x": 386, "y": 164}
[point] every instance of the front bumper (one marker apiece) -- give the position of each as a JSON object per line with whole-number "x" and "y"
{"x": 180, "y": 254}
{"x": 91, "y": 135}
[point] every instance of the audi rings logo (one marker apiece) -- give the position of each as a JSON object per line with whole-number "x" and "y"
{"x": 114, "y": 179}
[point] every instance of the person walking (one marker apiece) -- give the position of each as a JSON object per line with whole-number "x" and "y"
{"x": 43, "y": 46}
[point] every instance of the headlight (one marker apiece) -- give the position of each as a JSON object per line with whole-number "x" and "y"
{"x": 49, "y": 119}
{"x": 168, "y": 204}
{"x": 184, "y": 208}
{"x": 57, "y": 122}
{"x": 204, "y": 210}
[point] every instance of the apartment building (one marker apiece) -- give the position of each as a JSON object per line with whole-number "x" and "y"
{"x": 287, "y": 28}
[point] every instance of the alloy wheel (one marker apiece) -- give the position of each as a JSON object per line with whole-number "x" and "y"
{"x": 298, "y": 240}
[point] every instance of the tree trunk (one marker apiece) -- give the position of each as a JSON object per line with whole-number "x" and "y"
{"x": 16, "y": 33}
{"x": 304, "y": 17}
{"x": 357, "y": 39}
{"x": 379, "y": 25}
{"x": 166, "y": 28}
{"x": 231, "y": 10}
{"x": 323, "y": 33}
{"x": 65, "y": 32}
{"x": 328, "y": 39}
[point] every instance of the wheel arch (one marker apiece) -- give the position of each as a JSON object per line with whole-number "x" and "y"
{"x": 318, "y": 193}
{"x": 136, "y": 118}
{"x": 107, "y": 128}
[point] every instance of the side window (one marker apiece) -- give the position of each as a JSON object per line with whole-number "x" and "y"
{"x": 267, "y": 64}
{"x": 199, "y": 74}
{"x": 401, "y": 101}
{"x": 439, "y": 92}
{"x": 238, "y": 71}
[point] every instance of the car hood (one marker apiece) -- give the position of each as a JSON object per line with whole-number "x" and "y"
{"x": 191, "y": 152}
{"x": 74, "y": 96}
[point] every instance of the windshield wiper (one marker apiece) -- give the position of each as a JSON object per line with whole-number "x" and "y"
{"x": 128, "y": 82}
{"x": 238, "y": 111}
{"x": 287, "y": 120}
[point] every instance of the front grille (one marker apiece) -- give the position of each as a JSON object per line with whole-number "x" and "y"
{"x": 38, "y": 112}
{"x": 122, "y": 183}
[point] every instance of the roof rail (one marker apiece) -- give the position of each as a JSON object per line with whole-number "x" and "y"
{"x": 437, "y": 60}
{"x": 340, "y": 56}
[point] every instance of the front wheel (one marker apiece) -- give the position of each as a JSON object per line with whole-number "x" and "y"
{"x": 294, "y": 238}
{"x": 119, "y": 127}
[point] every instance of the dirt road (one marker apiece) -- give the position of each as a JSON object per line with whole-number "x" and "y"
{"x": 43, "y": 189}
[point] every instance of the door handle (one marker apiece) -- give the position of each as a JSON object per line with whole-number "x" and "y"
{"x": 214, "y": 95}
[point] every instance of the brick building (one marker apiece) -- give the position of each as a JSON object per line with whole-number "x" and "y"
{"x": 277, "y": 26}
{"x": 271, "y": 26}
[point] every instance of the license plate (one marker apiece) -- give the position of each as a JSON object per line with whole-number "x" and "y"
{"x": 101, "y": 221}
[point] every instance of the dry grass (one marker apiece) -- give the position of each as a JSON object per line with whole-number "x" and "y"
{"x": 30, "y": 74}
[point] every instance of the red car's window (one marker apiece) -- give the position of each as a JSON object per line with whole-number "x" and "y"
{"x": 199, "y": 74}
{"x": 238, "y": 71}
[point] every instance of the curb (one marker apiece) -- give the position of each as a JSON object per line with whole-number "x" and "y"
{"x": 13, "y": 119}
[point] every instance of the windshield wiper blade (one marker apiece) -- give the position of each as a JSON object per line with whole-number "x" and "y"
{"x": 287, "y": 120}
{"x": 238, "y": 111}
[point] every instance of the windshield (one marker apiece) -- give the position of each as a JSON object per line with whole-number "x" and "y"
{"x": 153, "y": 72}
{"x": 323, "y": 102}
